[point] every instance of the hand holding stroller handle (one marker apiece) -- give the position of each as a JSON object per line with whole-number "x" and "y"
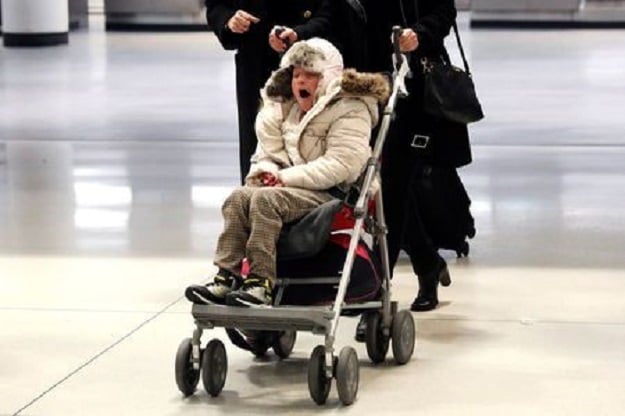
{"x": 278, "y": 31}
{"x": 397, "y": 58}
{"x": 400, "y": 64}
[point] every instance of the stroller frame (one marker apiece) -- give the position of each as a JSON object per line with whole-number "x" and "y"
{"x": 383, "y": 322}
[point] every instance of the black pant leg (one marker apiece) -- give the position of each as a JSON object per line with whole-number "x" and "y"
{"x": 253, "y": 69}
{"x": 416, "y": 241}
{"x": 247, "y": 111}
{"x": 400, "y": 168}
{"x": 396, "y": 172}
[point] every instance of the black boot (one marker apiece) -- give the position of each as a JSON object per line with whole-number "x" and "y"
{"x": 361, "y": 329}
{"x": 427, "y": 298}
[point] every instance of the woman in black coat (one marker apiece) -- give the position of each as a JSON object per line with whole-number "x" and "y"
{"x": 415, "y": 139}
{"x": 246, "y": 26}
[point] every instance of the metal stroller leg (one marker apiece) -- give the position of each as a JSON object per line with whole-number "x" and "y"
{"x": 386, "y": 285}
{"x": 196, "y": 352}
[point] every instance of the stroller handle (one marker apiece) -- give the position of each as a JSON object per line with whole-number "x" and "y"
{"x": 396, "y": 51}
{"x": 278, "y": 31}
{"x": 401, "y": 72}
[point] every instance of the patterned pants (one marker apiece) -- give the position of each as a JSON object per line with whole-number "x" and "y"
{"x": 253, "y": 218}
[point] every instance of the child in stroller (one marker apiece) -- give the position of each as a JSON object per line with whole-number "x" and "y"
{"x": 313, "y": 140}
{"x": 335, "y": 123}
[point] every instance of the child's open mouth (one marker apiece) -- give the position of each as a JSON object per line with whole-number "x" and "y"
{"x": 304, "y": 93}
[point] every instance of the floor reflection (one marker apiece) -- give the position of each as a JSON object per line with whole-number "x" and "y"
{"x": 113, "y": 198}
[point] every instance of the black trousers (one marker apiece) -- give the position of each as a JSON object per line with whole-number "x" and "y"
{"x": 401, "y": 161}
{"x": 253, "y": 69}
{"x": 248, "y": 104}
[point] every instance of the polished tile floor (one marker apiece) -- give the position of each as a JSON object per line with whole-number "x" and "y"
{"x": 117, "y": 150}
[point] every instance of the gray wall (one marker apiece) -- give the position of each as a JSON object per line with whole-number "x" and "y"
{"x": 78, "y": 13}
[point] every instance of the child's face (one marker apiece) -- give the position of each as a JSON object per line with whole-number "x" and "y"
{"x": 304, "y": 85}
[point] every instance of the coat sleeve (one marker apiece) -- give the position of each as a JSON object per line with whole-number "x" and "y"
{"x": 319, "y": 25}
{"x": 347, "y": 152}
{"x": 270, "y": 154}
{"x": 218, "y": 12}
{"x": 434, "y": 26}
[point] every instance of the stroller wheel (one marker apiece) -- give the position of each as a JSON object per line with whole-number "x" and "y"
{"x": 283, "y": 345}
{"x": 214, "y": 367}
{"x": 347, "y": 375}
{"x": 403, "y": 335}
{"x": 318, "y": 383}
{"x": 186, "y": 377}
{"x": 377, "y": 343}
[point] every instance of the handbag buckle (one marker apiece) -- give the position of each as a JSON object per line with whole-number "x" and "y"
{"x": 420, "y": 141}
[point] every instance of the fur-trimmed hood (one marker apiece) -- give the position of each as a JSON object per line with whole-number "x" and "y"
{"x": 314, "y": 55}
{"x": 356, "y": 84}
{"x": 321, "y": 57}
{"x": 352, "y": 83}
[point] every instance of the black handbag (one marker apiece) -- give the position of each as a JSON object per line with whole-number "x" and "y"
{"x": 448, "y": 91}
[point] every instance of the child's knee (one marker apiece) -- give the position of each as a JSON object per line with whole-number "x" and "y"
{"x": 263, "y": 199}
{"x": 238, "y": 199}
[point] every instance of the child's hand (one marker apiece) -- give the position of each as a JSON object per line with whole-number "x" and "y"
{"x": 269, "y": 179}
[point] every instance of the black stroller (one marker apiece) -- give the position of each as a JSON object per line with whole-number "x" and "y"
{"x": 258, "y": 329}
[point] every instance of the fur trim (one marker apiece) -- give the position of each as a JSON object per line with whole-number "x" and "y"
{"x": 306, "y": 56}
{"x": 352, "y": 83}
{"x": 363, "y": 83}
{"x": 279, "y": 84}
{"x": 314, "y": 55}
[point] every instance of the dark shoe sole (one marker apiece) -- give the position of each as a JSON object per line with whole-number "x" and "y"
{"x": 423, "y": 305}
{"x": 361, "y": 330}
{"x": 200, "y": 297}
{"x": 243, "y": 300}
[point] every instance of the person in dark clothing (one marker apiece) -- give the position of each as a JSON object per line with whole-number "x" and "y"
{"x": 249, "y": 27}
{"x": 415, "y": 138}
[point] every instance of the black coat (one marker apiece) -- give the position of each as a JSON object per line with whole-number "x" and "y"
{"x": 449, "y": 144}
{"x": 254, "y": 58}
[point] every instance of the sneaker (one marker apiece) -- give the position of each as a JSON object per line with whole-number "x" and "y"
{"x": 213, "y": 292}
{"x": 255, "y": 291}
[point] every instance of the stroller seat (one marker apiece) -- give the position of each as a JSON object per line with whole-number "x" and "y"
{"x": 306, "y": 236}
{"x": 312, "y": 251}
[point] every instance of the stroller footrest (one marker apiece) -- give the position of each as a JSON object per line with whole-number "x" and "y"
{"x": 314, "y": 319}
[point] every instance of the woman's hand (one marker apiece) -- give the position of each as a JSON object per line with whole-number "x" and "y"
{"x": 241, "y": 21}
{"x": 408, "y": 41}
{"x": 281, "y": 37}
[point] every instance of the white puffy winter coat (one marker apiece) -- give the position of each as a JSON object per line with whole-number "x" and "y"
{"x": 330, "y": 146}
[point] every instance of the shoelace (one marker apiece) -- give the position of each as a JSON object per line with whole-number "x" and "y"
{"x": 222, "y": 280}
{"x": 256, "y": 281}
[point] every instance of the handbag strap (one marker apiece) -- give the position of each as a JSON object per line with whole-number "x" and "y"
{"x": 461, "y": 49}
{"x": 456, "y": 32}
